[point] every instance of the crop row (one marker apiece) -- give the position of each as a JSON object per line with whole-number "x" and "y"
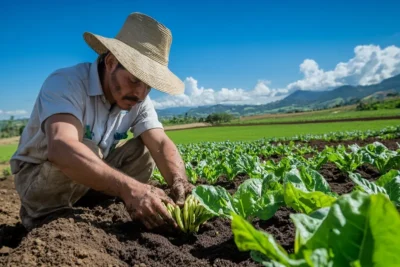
{"x": 361, "y": 228}
{"x": 215, "y": 160}
{"x": 355, "y": 229}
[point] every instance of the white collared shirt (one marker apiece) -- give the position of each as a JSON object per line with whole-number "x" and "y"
{"x": 77, "y": 90}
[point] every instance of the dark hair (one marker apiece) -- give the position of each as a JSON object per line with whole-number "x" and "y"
{"x": 101, "y": 60}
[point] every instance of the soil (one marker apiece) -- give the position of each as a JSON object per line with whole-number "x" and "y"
{"x": 103, "y": 234}
{"x": 9, "y": 141}
{"x": 186, "y": 126}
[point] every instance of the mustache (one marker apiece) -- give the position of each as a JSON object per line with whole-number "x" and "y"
{"x": 131, "y": 98}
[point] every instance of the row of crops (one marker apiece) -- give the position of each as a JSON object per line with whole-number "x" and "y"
{"x": 211, "y": 160}
{"x": 360, "y": 228}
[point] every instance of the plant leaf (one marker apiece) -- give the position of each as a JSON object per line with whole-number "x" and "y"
{"x": 307, "y": 225}
{"x": 215, "y": 199}
{"x": 247, "y": 197}
{"x": 305, "y": 202}
{"x": 248, "y": 238}
{"x": 367, "y": 186}
{"x": 360, "y": 227}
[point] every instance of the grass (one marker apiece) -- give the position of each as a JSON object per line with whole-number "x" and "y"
{"x": 6, "y": 151}
{"x": 248, "y": 133}
{"x": 335, "y": 114}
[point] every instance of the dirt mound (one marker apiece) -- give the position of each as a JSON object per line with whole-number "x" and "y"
{"x": 105, "y": 236}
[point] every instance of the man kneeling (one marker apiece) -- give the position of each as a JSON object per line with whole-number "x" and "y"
{"x": 74, "y": 140}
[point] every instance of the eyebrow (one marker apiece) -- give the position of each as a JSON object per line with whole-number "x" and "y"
{"x": 134, "y": 80}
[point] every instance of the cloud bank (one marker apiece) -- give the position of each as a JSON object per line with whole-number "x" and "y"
{"x": 5, "y": 115}
{"x": 370, "y": 64}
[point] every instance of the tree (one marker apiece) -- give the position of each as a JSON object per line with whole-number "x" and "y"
{"x": 217, "y": 118}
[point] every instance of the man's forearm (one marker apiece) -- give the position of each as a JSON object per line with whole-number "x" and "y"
{"x": 80, "y": 164}
{"x": 170, "y": 162}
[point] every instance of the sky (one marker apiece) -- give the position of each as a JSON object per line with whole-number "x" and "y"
{"x": 226, "y": 52}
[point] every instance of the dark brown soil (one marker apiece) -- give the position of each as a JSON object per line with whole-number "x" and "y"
{"x": 320, "y": 145}
{"x": 280, "y": 227}
{"x": 185, "y": 127}
{"x": 104, "y": 235}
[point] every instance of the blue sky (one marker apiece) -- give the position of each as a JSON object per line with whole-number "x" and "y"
{"x": 226, "y": 52}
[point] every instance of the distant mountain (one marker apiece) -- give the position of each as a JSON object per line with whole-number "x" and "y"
{"x": 381, "y": 95}
{"x": 306, "y": 100}
{"x": 170, "y": 112}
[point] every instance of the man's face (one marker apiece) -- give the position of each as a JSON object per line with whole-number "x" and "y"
{"x": 126, "y": 89}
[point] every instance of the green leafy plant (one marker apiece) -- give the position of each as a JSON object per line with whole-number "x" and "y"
{"x": 191, "y": 216}
{"x": 357, "y": 230}
{"x": 381, "y": 157}
{"x": 6, "y": 172}
{"x": 254, "y": 198}
{"x": 305, "y": 202}
{"x": 345, "y": 161}
{"x": 388, "y": 184}
{"x": 157, "y": 176}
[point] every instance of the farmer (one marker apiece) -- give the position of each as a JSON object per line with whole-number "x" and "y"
{"x": 74, "y": 141}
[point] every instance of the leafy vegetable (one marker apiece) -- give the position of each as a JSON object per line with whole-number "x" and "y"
{"x": 250, "y": 200}
{"x": 381, "y": 157}
{"x": 388, "y": 184}
{"x": 365, "y": 185}
{"x": 305, "y": 202}
{"x": 391, "y": 183}
{"x": 346, "y": 161}
{"x": 357, "y": 230}
{"x": 191, "y": 216}
{"x": 307, "y": 180}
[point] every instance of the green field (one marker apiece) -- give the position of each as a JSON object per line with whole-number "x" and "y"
{"x": 247, "y": 133}
{"x": 6, "y": 151}
{"x": 336, "y": 114}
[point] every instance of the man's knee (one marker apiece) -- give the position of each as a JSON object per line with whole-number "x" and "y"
{"x": 134, "y": 159}
{"x": 44, "y": 189}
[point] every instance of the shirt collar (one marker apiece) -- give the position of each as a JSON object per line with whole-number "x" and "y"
{"x": 94, "y": 81}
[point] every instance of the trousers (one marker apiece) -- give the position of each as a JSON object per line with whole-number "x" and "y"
{"x": 44, "y": 189}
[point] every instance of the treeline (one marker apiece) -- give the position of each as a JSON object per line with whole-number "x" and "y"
{"x": 12, "y": 127}
{"x": 214, "y": 118}
{"x": 387, "y": 104}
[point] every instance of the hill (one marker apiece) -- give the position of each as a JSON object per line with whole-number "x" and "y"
{"x": 302, "y": 100}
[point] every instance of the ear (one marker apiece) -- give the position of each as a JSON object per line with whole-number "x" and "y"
{"x": 111, "y": 62}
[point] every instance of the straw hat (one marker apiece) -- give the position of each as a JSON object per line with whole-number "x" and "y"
{"x": 142, "y": 46}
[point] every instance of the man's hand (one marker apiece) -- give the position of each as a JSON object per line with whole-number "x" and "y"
{"x": 169, "y": 162}
{"x": 180, "y": 189}
{"x": 145, "y": 203}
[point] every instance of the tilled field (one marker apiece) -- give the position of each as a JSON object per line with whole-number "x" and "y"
{"x": 104, "y": 235}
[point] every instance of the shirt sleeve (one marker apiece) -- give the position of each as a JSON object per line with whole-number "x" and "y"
{"x": 147, "y": 118}
{"x": 59, "y": 95}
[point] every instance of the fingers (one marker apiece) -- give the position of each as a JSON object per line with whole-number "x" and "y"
{"x": 179, "y": 193}
{"x": 189, "y": 188}
{"x": 164, "y": 197}
{"x": 164, "y": 215}
{"x": 156, "y": 216}
{"x": 155, "y": 220}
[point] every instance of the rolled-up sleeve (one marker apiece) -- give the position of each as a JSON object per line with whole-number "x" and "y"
{"x": 146, "y": 119}
{"x": 59, "y": 95}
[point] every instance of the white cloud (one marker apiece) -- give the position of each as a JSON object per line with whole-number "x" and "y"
{"x": 370, "y": 65}
{"x": 19, "y": 113}
{"x": 195, "y": 96}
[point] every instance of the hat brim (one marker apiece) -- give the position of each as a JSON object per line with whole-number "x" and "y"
{"x": 147, "y": 70}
